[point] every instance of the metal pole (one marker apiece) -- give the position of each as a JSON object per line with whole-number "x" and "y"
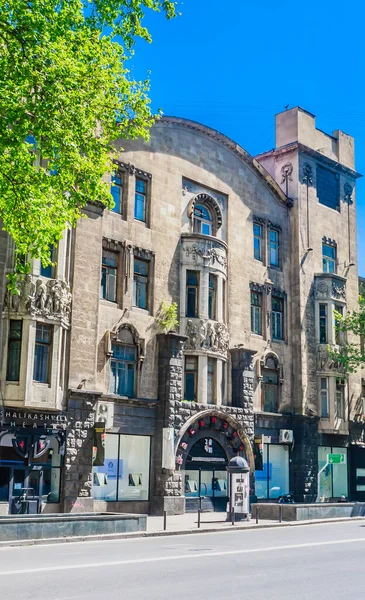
{"x": 232, "y": 515}
{"x": 257, "y": 514}
{"x": 199, "y": 515}
{"x": 164, "y": 520}
{"x": 318, "y": 480}
{"x": 280, "y": 513}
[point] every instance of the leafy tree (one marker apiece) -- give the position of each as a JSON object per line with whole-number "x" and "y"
{"x": 66, "y": 95}
{"x": 351, "y": 355}
{"x": 167, "y": 318}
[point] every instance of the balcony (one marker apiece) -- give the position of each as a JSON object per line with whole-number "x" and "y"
{"x": 199, "y": 250}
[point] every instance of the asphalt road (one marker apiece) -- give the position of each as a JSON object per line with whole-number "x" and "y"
{"x": 313, "y": 562}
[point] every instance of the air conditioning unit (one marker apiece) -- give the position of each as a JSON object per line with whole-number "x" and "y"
{"x": 105, "y": 414}
{"x": 286, "y": 436}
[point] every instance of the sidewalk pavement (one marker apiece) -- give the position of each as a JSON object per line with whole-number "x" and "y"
{"x": 189, "y": 521}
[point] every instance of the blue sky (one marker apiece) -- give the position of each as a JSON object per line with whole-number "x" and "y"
{"x": 233, "y": 65}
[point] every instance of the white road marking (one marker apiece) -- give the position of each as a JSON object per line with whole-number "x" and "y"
{"x": 193, "y": 556}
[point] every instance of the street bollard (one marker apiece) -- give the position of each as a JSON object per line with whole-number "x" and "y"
{"x": 257, "y": 514}
{"x": 164, "y": 520}
{"x": 233, "y": 516}
{"x": 280, "y": 513}
{"x": 199, "y": 516}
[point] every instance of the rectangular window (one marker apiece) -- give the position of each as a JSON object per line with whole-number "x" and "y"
{"x": 42, "y": 353}
{"x": 48, "y": 271}
{"x": 191, "y": 377}
{"x": 212, "y": 300}
{"x": 323, "y": 323}
{"x": 277, "y": 317}
{"x": 324, "y": 398}
{"x": 108, "y": 284}
{"x": 328, "y": 188}
{"x": 257, "y": 241}
{"x": 14, "y": 350}
{"x": 123, "y": 370}
{"x": 339, "y": 335}
{"x": 211, "y": 381}
{"x": 192, "y": 293}
{"x": 116, "y": 190}
{"x": 333, "y": 480}
{"x": 274, "y": 247}
{"x": 256, "y": 298}
{"x": 329, "y": 258}
{"x": 340, "y": 399}
{"x": 269, "y": 387}
{"x": 140, "y": 283}
{"x": 273, "y": 479}
{"x": 140, "y": 200}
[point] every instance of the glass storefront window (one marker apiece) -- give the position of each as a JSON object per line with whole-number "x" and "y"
{"x": 125, "y": 473}
{"x": 273, "y": 480}
{"x": 333, "y": 480}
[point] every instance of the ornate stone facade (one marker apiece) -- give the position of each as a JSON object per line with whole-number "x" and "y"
{"x": 207, "y": 336}
{"x": 49, "y": 298}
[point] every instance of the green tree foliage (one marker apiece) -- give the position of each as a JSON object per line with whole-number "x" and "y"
{"x": 351, "y": 356}
{"x": 65, "y": 96}
{"x": 167, "y": 318}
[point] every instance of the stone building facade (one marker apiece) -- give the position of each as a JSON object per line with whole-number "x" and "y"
{"x": 258, "y": 254}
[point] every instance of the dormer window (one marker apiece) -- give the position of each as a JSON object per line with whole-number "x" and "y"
{"x": 202, "y": 220}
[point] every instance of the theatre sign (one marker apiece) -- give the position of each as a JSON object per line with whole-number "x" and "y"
{"x": 35, "y": 420}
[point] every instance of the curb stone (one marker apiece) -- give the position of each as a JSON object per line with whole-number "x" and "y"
{"x": 154, "y": 534}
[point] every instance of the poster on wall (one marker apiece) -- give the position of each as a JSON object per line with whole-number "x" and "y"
{"x": 99, "y": 445}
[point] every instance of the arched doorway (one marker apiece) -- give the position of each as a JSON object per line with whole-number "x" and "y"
{"x": 205, "y": 476}
{"x": 207, "y": 443}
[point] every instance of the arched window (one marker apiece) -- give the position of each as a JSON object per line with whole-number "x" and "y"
{"x": 123, "y": 364}
{"x": 205, "y": 214}
{"x": 270, "y": 385}
{"x": 202, "y": 220}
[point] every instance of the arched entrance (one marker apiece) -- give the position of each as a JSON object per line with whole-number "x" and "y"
{"x": 207, "y": 443}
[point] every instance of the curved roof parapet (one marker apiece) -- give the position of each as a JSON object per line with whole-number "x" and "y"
{"x": 240, "y": 152}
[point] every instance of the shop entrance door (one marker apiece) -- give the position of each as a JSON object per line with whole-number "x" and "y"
{"x": 26, "y": 487}
{"x": 206, "y": 488}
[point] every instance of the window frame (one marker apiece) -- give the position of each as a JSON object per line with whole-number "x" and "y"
{"x": 260, "y": 239}
{"x": 212, "y": 296}
{"x": 105, "y": 268}
{"x": 141, "y": 279}
{"x": 196, "y": 289}
{"x": 199, "y": 221}
{"x": 118, "y": 174}
{"x": 327, "y": 260}
{"x": 49, "y": 272}
{"x": 277, "y": 315}
{"x": 195, "y": 371}
{"x": 144, "y": 195}
{"x": 44, "y": 344}
{"x": 17, "y": 341}
{"x": 118, "y": 361}
{"x": 213, "y": 363}
{"x": 340, "y": 399}
{"x": 274, "y": 245}
{"x": 324, "y": 414}
{"x": 256, "y": 312}
{"x": 323, "y": 322}
{"x": 266, "y": 385}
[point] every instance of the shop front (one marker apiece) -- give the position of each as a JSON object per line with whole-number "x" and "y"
{"x": 32, "y": 446}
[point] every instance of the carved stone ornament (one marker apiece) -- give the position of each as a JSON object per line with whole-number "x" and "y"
{"x": 322, "y": 289}
{"x": 286, "y": 172}
{"x": 50, "y": 298}
{"x": 325, "y": 362}
{"x": 339, "y": 291}
{"x": 211, "y": 336}
{"x": 211, "y": 255}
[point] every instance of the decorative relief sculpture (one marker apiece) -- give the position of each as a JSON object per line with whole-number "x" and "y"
{"x": 211, "y": 336}
{"x": 47, "y": 299}
{"x": 209, "y": 254}
{"x": 286, "y": 172}
{"x": 339, "y": 291}
{"x": 325, "y": 362}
